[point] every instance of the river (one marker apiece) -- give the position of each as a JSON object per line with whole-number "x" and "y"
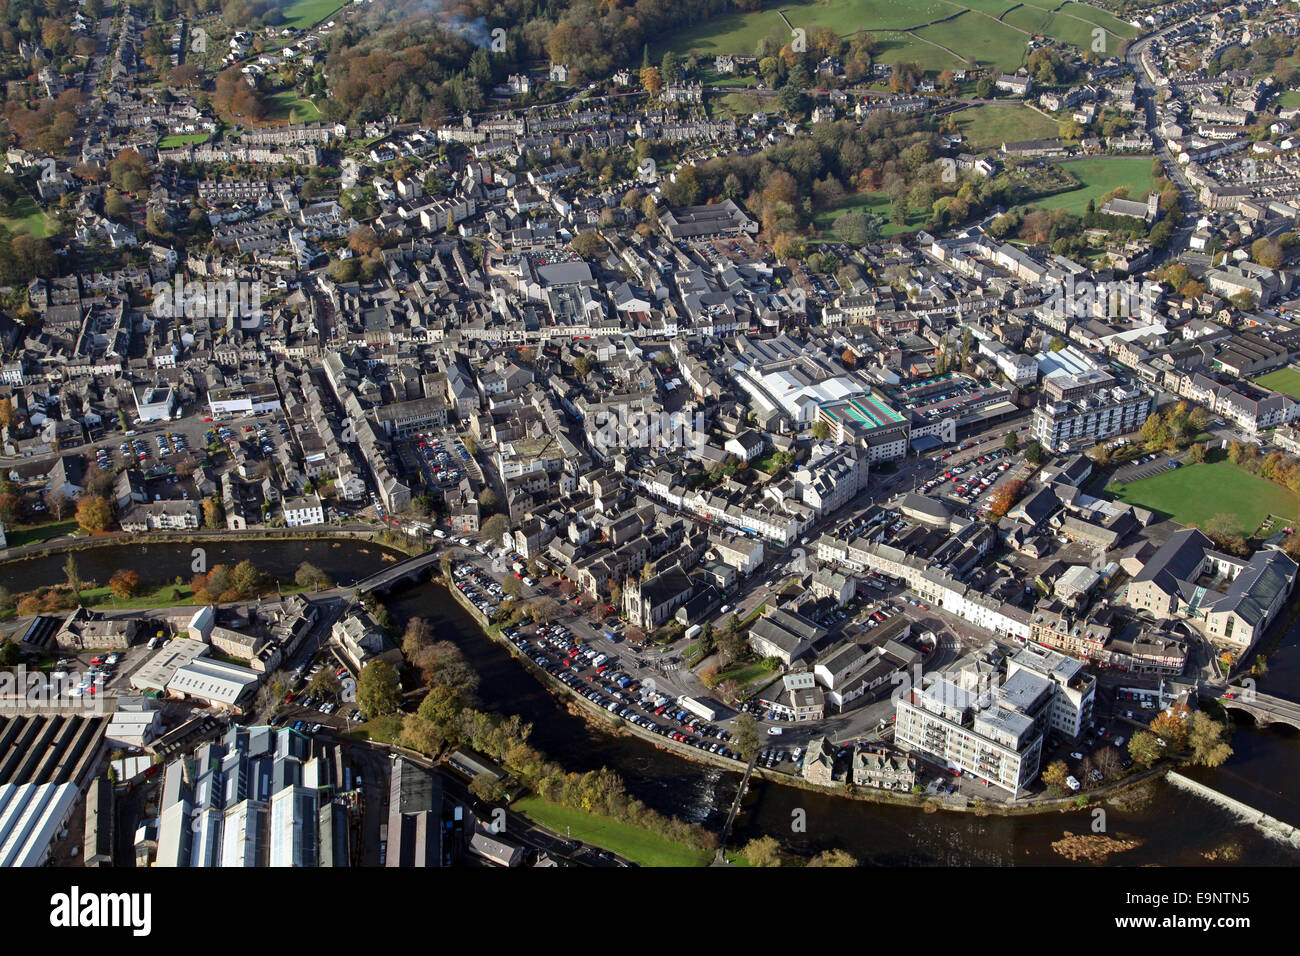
{"x": 1175, "y": 828}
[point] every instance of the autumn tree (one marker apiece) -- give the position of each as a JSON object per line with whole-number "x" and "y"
{"x": 1208, "y": 739}
{"x": 124, "y": 584}
{"x": 1055, "y": 774}
{"x": 762, "y": 851}
{"x": 1144, "y": 749}
{"x": 833, "y": 858}
{"x": 94, "y": 514}
{"x": 652, "y": 80}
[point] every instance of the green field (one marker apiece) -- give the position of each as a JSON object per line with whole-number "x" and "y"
{"x": 181, "y": 139}
{"x": 1288, "y": 98}
{"x": 1284, "y": 380}
{"x": 1098, "y": 177}
{"x": 27, "y": 217}
{"x": 990, "y": 126}
{"x": 975, "y": 32}
{"x": 630, "y": 842}
{"x": 879, "y": 203}
{"x": 305, "y": 14}
{"x": 288, "y": 105}
{"x": 1195, "y": 493}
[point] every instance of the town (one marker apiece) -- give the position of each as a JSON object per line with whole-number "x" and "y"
{"x": 835, "y": 409}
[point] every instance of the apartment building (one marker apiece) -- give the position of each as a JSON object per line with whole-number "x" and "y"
{"x": 1063, "y": 425}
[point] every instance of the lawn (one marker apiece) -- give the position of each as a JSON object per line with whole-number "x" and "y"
{"x": 1288, "y": 98}
{"x": 992, "y": 43}
{"x": 1195, "y": 493}
{"x": 630, "y": 842}
{"x": 288, "y": 105}
{"x": 879, "y": 203}
{"x": 998, "y": 123}
{"x": 1099, "y": 176}
{"x": 30, "y": 534}
{"x": 746, "y": 673}
{"x": 305, "y": 14}
{"x": 181, "y": 139}
{"x": 1284, "y": 380}
{"x": 27, "y": 217}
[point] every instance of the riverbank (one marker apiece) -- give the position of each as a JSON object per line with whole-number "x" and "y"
{"x": 631, "y": 842}
{"x": 605, "y": 721}
{"x": 123, "y": 538}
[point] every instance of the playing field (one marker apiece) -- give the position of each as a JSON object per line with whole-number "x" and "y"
{"x": 1284, "y": 380}
{"x": 27, "y": 217}
{"x": 995, "y": 32}
{"x": 1098, "y": 177}
{"x": 988, "y": 127}
{"x": 305, "y": 14}
{"x": 879, "y": 203}
{"x": 1195, "y": 493}
{"x": 287, "y": 105}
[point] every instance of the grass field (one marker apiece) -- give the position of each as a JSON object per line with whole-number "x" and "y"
{"x": 1288, "y": 98}
{"x": 27, "y": 217}
{"x": 289, "y": 106}
{"x": 305, "y": 14}
{"x": 992, "y": 43}
{"x": 1284, "y": 380}
{"x": 181, "y": 139}
{"x": 1098, "y": 177}
{"x": 633, "y": 843}
{"x": 992, "y": 125}
{"x": 878, "y": 203}
{"x": 1195, "y": 493}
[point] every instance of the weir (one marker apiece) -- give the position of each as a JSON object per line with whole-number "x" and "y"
{"x": 1270, "y": 826}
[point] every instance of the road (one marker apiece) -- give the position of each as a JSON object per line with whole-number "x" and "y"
{"x": 1191, "y": 206}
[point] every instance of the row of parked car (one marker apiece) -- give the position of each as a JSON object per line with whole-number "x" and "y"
{"x": 597, "y": 677}
{"x": 480, "y": 588}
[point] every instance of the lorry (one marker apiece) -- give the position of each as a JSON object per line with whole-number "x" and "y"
{"x": 692, "y": 631}
{"x": 699, "y": 708}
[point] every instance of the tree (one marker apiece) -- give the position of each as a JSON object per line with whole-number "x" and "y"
{"x": 1208, "y": 740}
{"x": 494, "y": 528}
{"x": 820, "y": 430}
{"x": 324, "y": 684}
{"x": 1144, "y": 749}
{"x": 588, "y": 244}
{"x": 73, "y": 575}
{"x": 8, "y": 418}
{"x": 762, "y": 851}
{"x": 1173, "y": 728}
{"x": 1034, "y": 453}
{"x": 652, "y": 80}
{"x": 744, "y": 731}
{"x": 833, "y": 858}
{"x": 214, "y": 513}
{"x": 1012, "y": 442}
{"x": 544, "y": 610}
{"x": 1055, "y": 774}
{"x": 310, "y": 576}
{"x": 94, "y": 514}
{"x": 124, "y": 584}
{"x": 245, "y": 578}
{"x": 378, "y": 689}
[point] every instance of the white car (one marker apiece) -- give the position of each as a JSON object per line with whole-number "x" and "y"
{"x": 776, "y": 731}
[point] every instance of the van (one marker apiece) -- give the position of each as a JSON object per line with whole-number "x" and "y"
{"x": 725, "y": 608}
{"x": 1072, "y": 783}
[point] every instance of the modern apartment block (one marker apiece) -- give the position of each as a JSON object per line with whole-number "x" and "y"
{"x": 1063, "y": 425}
{"x": 970, "y": 719}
